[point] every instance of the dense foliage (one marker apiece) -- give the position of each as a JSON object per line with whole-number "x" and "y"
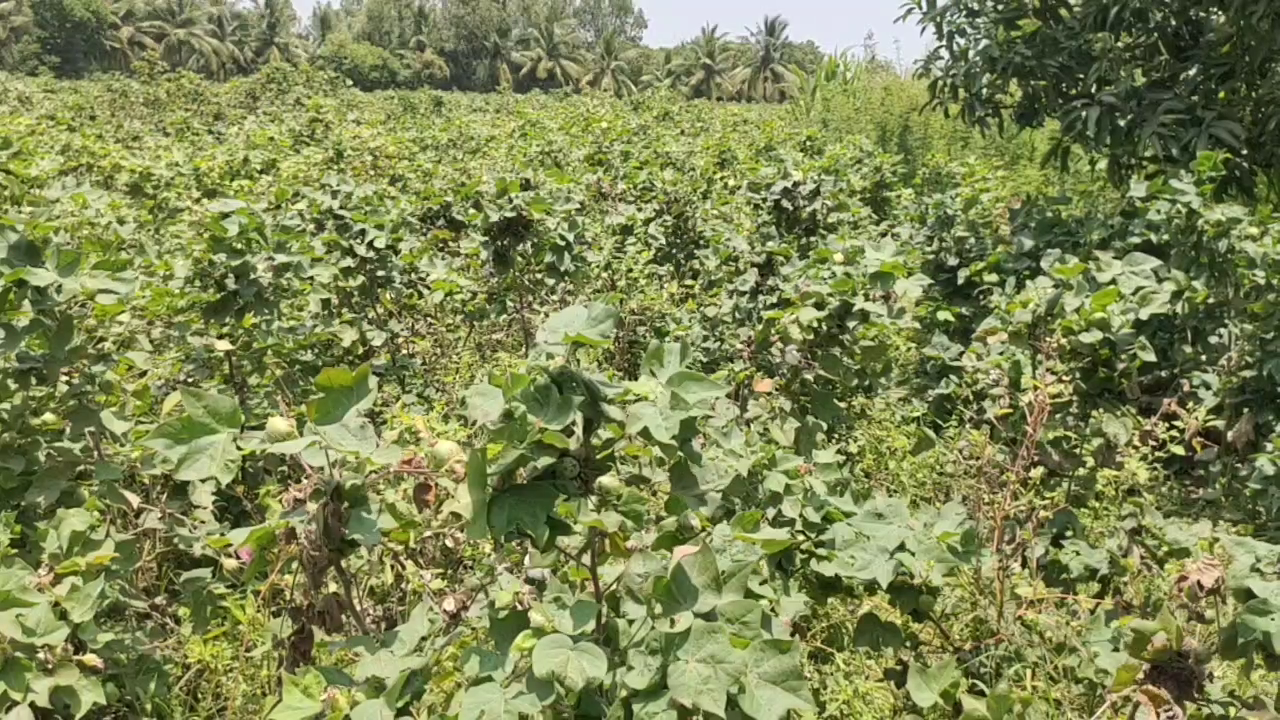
{"x": 1143, "y": 83}
{"x": 378, "y": 44}
{"x": 412, "y": 404}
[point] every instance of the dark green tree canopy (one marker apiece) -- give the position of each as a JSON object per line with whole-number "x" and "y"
{"x": 1145, "y": 83}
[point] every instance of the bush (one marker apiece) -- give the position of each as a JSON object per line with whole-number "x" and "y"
{"x": 368, "y": 67}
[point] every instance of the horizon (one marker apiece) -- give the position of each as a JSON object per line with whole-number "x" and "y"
{"x": 831, "y": 26}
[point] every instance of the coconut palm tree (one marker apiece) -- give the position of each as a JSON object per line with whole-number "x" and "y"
{"x": 501, "y": 53}
{"x": 124, "y": 38}
{"x": 710, "y": 67}
{"x": 419, "y": 27}
{"x": 611, "y": 72}
{"x": 765, "y": 76}
{"x": 185, "y": 37}
{"x": 273, "y": 39}
{"x": 551, "y": 54}
{"x": 667, "y": 75}
{"x": 325, "y": 21}
{"x": 15, "y": 22}
{"x": 231, "y": 30}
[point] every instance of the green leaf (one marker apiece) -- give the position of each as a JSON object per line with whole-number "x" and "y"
{"x": 874, "y": 633}
{"x": 522, "y": 507}
{"x": 645, "y": 662}
{"x": 485, "y": 404}
{"x": 547, "y": 406}
{"x": 929, "y": 686}
{"x": 20, "y": 712}
{"x": 38, "y": 277}
{"x": 42, "y": 627}
{"x": 573, "y": 665}
{"x": 490, "y": 702}
{"x": 695, "y": 579}
{"x": 706, "y": 667}
{"x": 81, "y": 602}
{"x": 659, "y": 422}
{"x": 694, "y": 387}
{"x": 653, "y": 705}
{"x": 773, "y": 682}
{"x": 374, "y": 709}
{"x": 201, "y": 443}
{"x": 591, "y": 324}
{"x": 295, "y": 703}
{"x": 13, "y": 677}
{"x": 343, "y": 393}
{"x": 477, "y": 489}
{"x": 212, "y": 409}
{"x": 771, "y": 540}
{"x": 350, "y": 435}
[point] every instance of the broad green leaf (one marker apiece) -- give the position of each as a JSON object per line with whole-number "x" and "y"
{"x": 706, "y": 668}
{"x": 485, "y": 404}
{"x": 212, "y": 409}
{"x": 79, "y": 696}
{"x": 522, "y": 507}
{"x": 744, "y": 618}
{"x": 201, "y": 443}
{"x": 662, "y": 360}
{"x": 771, "y": 540}
{"x": 773, "y": 682}
{"x": 646, "y": 661}
{"x": 653, "y": 705}
{"x": 658, "y": 421}
{"x": 574, "y": 665}
{"x": 295, "y": 703}
{"x": 374, "y": 709}
{"x": 41, "y": 627}
{"x": 477, "y": 490}
{"x": 491, "y": 702}
{"x": 591, "y": 324}
{"x": 874, "y": 633}
{"x": 695, "y": 579}
{"x": 81, "y": 602}
{"x": 351, "y": 434}
{"x": 547, "y": 406}
{"x": 20, "y": 712}
{"x": 929, "y": 686}
{"x": 694, "y": 387}
{"x": 343, "y": 393}
{"x": 13, "y": 677}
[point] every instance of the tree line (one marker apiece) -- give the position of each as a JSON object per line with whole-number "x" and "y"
{"x": 474, "y": 45}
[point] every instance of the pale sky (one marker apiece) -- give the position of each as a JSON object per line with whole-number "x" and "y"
{"x": 833, "y": 24}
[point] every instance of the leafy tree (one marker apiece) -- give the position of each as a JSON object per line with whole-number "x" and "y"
{"x": 326, "y": 20}
{"x": 598, "y": 19}
{"x": 710, "y": 65}
{"x": 425, "y": 69}
{"x": 71, "y": 33}
{"x": 419, "y": 29}
{"x": 367, "y": 66}
{"x": 611, "y": 73}
{"x": 186, "y": 38}
{"x": 551, "y": 55}
{"x": 766, "y": 76}
{"x": 1145, "y": 84}
{"x": 124, "y": 39}
{"x": 666, "y": 75}
{"x": 15, "y": 23}
{"x": 231, "y": 30}
{"x": 274, "y": 39}
{"x": 465, "y": 29}
{"x": 501, "y": 54}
